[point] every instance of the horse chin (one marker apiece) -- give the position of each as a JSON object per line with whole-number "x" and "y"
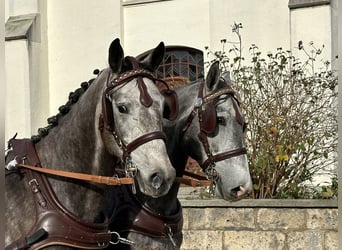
{"x": 226, "y": 195}
{"x": 153, "y": 193}
{"x": 150, "y": 190}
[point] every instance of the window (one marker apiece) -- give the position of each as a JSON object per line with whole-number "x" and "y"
{"x": 181, "y": 65}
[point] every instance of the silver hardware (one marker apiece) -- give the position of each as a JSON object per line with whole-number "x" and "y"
{"x": 198, "y": 102}
{"x": 33, "y": 181}
{"x": 170, "y": 234}
{"x": 101, "y": 244}
{"x": 24, "y": 159}
{"x": 131, "y": 170}
{"x": 117, "y": 179}
{"x": 211, "y": 172}
{"x": 12, "y": 164}
{"x": 118, "y": 239}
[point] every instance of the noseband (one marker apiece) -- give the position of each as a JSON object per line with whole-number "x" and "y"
{"x": 206, "y": 111}
{"x": 106, "y": 119}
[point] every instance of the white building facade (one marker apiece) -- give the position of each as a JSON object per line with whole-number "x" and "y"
{"x": 53, "y": 46}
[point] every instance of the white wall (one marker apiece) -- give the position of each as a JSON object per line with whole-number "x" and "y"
{"x": 265, "y": 23}
{"x": 180, "y": 22}
{"x": 20, "y": 7}
{"x": 79, "y": 33}
{"x": 74, "y": 36}
{"x": 17, "y": 111}
{"x": 312, "y": 24}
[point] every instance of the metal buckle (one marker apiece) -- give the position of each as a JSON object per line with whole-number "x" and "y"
{"x": 33, "y": 181}
{"x": 198, "y": 102}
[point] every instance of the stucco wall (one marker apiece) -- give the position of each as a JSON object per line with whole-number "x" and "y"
{"x": 72, "y": 39}
{"x": 79, "y": 33}
{"x": 180, "y": 22}
{"x": 214, "y": 224}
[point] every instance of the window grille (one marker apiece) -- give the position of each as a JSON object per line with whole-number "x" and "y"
{"x": 181, "y": 65}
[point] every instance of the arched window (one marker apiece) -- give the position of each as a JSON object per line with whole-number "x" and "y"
{"x": 181, "y": 65}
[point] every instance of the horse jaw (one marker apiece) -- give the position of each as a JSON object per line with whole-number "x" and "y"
{"x": 234, "y": 182}
{"x": 155, "y": 174}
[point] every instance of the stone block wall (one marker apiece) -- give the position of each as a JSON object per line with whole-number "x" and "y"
{"x": 216, "y": 224}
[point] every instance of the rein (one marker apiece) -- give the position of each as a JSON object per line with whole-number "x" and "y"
{"x": 194, "y": 181}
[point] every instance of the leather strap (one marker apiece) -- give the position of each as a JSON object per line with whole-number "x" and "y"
{"x": 113, "y": 181}
{"x": 194, "y": 180}
{"x": 62, "y": 226}
{"x": 224, "y": 156}
{"x": 131, "y": 215}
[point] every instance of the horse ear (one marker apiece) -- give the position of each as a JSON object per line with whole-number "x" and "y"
{"x": 226, "y": 76}
{"x": 213, "y": 75}
{"x": 116, "y": 55}
{"x": 154, "y": 59}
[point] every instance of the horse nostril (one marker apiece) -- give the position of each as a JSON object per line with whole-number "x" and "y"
{"x": 235, "y": 191}
{"x": 156, "y": 180}
{"x": 240, "y": 191}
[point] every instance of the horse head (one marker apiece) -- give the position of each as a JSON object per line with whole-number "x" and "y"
{"x": 215, "y": 139}
{"x": 131, "y": 125}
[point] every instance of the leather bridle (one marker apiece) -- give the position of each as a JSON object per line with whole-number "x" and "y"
{"x": 106, "y": 119}
{"x": 205, "y": 109}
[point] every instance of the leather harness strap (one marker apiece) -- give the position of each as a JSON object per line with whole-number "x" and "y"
{"x": 130, "y": 215}
{"x": 55, "y": 225}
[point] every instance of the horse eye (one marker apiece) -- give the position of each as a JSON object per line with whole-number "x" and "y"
{"x": 123, "y": 109}
{"x": 221, "y": 120}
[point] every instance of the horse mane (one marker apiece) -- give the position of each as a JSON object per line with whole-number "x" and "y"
{"x": 73, "y": 98}
{"x": 64, "y": 109}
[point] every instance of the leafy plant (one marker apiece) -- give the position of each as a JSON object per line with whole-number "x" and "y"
{"x": 291, "y": 109}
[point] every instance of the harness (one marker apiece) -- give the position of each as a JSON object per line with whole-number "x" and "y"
{"x": 205, "y": 109}
{"x": 55, "y": 225}
{"x": 130, "y": 215}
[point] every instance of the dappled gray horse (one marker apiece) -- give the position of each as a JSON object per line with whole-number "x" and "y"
{"x": 114, "y": 120}
{"x": 209, "y": 128}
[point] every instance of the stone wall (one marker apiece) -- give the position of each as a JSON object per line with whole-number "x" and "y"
{"x": 259, "y": 224}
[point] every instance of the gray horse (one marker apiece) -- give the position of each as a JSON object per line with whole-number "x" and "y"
{"x": 117, "y": 118}
{"x": 214, "y": 137}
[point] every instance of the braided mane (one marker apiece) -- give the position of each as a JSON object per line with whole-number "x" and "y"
{"x": 64, "y": 109}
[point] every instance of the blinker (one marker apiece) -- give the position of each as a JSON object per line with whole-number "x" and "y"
{"x": 209, "y": 119}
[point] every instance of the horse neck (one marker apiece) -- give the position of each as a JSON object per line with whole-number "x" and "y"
{"x": 178, "y": 146}
{"x": 168, "y": 205}
{"x": 75, "y": 145}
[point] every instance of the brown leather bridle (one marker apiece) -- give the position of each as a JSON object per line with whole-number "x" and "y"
{"x": 205, "y": 109}
{"x": 106, "y": 119}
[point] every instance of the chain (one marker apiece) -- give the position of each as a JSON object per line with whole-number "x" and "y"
{"x": 213, "y": 176}
{"x": 131, "y": 170}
